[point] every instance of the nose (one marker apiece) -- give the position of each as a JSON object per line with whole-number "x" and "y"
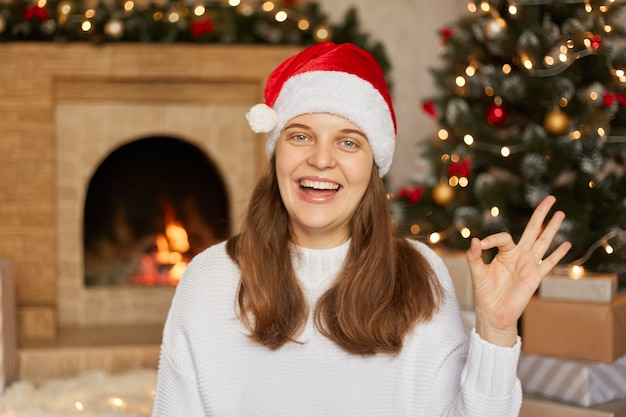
{"x": 322, "y": 155}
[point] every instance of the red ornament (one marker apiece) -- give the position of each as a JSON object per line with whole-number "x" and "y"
{"x": 496, "y": 115}
{"x": 446, "y": 33}
{"x": 460, "y": 169}
{"x": 596, "y": 41}
{"x": 411, "y": 193}
{"x": 610, "y": 98}
{"x": 35, "y": 12}
{"x": 430, "y": 108}
{"x": 200, "y": 27}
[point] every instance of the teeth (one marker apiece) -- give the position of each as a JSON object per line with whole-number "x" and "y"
{"x": 319, "y": 185}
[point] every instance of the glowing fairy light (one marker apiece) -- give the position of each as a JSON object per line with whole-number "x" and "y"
{"x": 575, "y": 135}
{"x": 303, "y": 24}
{"x": 79, "y": 406}
{"x": 468, "y": 139}
{"x": 234, "y": 3}
{"x": 608, "y": 248}
{"x": 591, "y": 184}
{"x": 505, "y": 151}
{"x": 470, "y": 70}
{"x": 485, "y": 6}
{"x": 495, "y": 211}
{"x": 460, "y": 81}
{"x": 601, "y": 132}
{"x": 173, "y": 17}
{"x": 281, "y": 16}
{"x": 576, "y": 271}
{"x": 415, "y": 229}
{"x": 443, "y": 134}
{"x": 466, "y": 232}
{"x": 129, "y": 6}
{"x": 463, "y": 182}
{"x": 512, "y": 10}
{"x": 65, "y": 8}
{"x": 506, "y": 69}
{"x": 471, "y": 7}
{"x": 434, "y": 237}
{"x": 199, "y": 10}
{"x": 268, "y": 6}
{"x": 549, "y": 61}
{"x": 86, "y": 26}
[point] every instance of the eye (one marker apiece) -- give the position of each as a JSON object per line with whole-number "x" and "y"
{"x": 298, "y": 137}
{"x": 349, "y": 143}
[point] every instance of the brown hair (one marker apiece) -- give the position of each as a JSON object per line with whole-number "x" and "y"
{"x": 384, "y": 288}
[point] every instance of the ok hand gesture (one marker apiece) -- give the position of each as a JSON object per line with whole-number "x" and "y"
{"x": 503, "y": 287}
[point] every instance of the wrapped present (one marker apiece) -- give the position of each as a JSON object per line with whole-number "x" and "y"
{"x": 577, "y": 382}
{"x": 585, "y": 286}
{"x": 575, "y": 330}
{"x": 8, "y": 345}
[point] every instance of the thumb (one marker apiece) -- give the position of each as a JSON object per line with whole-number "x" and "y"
{"x": 474, "y": 253}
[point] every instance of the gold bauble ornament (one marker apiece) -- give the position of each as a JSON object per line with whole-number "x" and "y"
{"x": 443, "y": 193}
{"x": 556, "y": 122}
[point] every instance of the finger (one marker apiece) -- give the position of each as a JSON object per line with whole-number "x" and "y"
{"x": 535, "y": 224}
{"x": 503, "y": 241}
{"x": 555, "y": 257}
{"x": 547, "y": 235}
{"x": 474, "y": 253}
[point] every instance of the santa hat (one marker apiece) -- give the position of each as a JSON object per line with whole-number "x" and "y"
{"x": 340, "y": 79}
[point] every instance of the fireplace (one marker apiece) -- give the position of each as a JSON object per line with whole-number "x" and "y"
{"x": 66, "y": 111}
{"x": 150, "y": 206}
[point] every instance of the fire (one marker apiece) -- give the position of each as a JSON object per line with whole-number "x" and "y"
{"x": 166, "y": 264}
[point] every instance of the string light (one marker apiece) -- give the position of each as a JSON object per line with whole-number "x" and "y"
{"x": 604, "y": 240}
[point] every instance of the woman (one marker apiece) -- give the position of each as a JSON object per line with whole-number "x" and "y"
{"x": 317, "y": 308}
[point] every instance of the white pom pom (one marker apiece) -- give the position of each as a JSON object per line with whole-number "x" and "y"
{"x": 262, "y": 118}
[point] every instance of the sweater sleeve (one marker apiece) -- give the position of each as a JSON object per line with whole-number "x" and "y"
{"x": 475, "y": 378}
{"x": 489, "y": 383}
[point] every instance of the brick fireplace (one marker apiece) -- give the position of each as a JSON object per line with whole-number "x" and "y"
{"x": 63, "y": 109}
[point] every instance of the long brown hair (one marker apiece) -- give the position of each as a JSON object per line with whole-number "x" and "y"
{"x": 384, "y": 288}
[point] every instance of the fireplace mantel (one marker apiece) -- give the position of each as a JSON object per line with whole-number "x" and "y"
{"x": 48, "y": 90}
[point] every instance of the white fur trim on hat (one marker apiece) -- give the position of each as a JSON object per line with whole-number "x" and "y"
{"x": 341, "y": 94}
{"x": 262, "y": 118}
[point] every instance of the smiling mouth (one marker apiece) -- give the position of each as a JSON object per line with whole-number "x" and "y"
{"x": 309, "y": 185}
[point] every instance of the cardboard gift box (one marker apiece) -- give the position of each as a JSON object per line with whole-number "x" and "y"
{"x": 575, "y": 330}
{"x": 593, "y": 287}
{"x": 582, "y": 383}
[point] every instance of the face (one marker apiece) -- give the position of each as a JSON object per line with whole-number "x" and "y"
{"x": 323, "y": 167}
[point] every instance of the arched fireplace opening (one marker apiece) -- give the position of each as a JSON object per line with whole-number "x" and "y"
{"x": 150, "y": 206}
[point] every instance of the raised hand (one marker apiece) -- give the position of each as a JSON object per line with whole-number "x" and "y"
{"x": 503, "y": 287}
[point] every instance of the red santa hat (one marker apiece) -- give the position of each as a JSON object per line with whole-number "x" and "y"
{"x": 340, "y": 79}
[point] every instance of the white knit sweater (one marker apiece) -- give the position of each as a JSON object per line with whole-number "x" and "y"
{"x": 208, "y": 367}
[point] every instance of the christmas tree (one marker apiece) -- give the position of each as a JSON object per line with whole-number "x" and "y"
{"x": 531, "y": 101}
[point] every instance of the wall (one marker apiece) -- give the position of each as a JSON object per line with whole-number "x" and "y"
{"x": 409, "y": 31}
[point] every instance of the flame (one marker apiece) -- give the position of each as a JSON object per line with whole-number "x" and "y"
{"x": 167, "y": 263}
